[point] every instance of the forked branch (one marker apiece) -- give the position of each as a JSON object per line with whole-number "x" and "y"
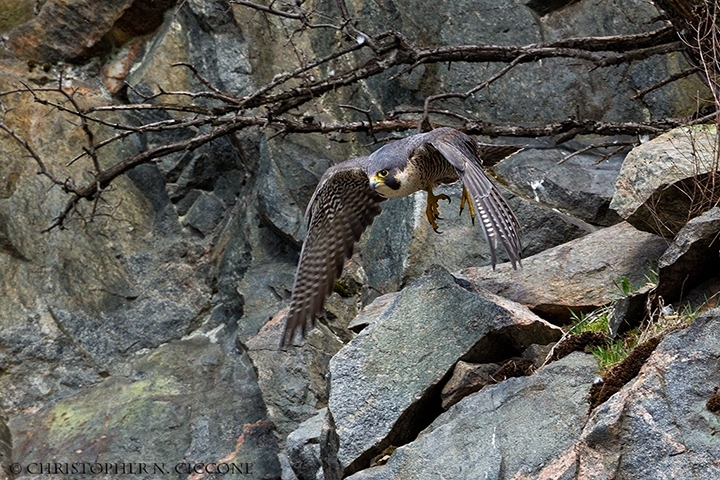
{"x": 209, "y": 113}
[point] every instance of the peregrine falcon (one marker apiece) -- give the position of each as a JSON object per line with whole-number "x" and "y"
{"x": 349, "y": 195}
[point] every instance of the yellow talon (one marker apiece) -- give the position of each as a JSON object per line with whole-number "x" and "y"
{"x": 431, "y": 210}
{"x": 466, "y": 199}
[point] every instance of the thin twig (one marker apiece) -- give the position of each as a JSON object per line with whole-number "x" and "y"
{"x": 594, "y": 146}
{"x": 220, "y": 94}
{"x": 366, "y": 112}
{"x": 685, "y": 73}
{"x": 473, "y": 90}
{"x": 28, "y": 148}
{"x": 90, "y": 149}
{"x": 263, "y": 8}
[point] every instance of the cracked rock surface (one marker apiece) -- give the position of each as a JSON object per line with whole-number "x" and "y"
{"x": 386, "y": 382}
{"x": 479, "y": 437}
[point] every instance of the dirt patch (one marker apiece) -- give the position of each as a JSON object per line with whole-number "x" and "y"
{"x": 579, "y": 343}
{"x": 622, "y": 373}
{"x": 516, "y": 367}
{"x": 713, "y": 403}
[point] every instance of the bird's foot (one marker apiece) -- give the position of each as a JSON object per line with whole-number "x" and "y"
{"x": 431, "y": 210}
{"x": 466, "y": 199}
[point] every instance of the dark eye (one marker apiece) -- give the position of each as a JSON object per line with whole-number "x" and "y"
{"x": 383, "y": 173}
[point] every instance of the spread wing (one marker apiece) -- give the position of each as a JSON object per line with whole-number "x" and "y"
{"x": 341, "y": 208}
{"x": 498, "y": 220}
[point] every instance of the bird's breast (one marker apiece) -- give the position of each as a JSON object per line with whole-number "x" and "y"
{"x": 432, "y": 169}
{"x": 407, "y": 182}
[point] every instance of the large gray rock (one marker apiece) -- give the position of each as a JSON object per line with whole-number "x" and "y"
{"x": 658, "y": 425}
{"x": 292, "y": 380}
{"x": 401, "y": 245}
{"x": 579, "y": 186}
{"x": 520, "y": 428}
{"x": 664, "y": 182}
{"x": 189, "y": 401}
{"x": 467, "y": 378}
{"x": 692, "y": 257}
{"x": 303, "y": 447}
{"x": 385, "y": 384}
{"x": 579, "y": 275}
{"x": 205, "y": 214}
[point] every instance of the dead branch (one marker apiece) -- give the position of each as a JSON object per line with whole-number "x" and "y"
{"x": 618, "y": 43}
{"x": 90, "y": 149}
{"x": 470, "y": 92}
{"x": 619, "y": 146}
{"x": 677, "y": 76}
{"x": 263, "y": 8}
{"x": 269, "y": 106}
{"x": 67, "y": 186}
{"x": 578, "y": 127}
{"x": 216, "y": 92}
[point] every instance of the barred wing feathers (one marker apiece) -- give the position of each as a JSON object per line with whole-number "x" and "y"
{"x": 341, "y": 208}
{"x": 497, "y": 219}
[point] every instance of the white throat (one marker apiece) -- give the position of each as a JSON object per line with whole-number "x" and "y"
{"x": 408, "y": 185}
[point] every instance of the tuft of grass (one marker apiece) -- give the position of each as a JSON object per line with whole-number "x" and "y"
{"x": 614, "y": 353}
{"x": 663, "y": 321}
{"x": 668, "y": 321}
{"x": 342, "y": 288}
{"x": 651, "y": 278}
{"x": 623, "y": 284}
{"x": 595, "y": 321}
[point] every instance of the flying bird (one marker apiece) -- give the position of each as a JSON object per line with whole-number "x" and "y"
{"x": 348, "y": 198}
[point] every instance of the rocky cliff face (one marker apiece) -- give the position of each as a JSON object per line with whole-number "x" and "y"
{"x": 146, "y": 336}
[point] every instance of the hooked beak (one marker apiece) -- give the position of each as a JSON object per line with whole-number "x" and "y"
{"x": 376, "y": 182}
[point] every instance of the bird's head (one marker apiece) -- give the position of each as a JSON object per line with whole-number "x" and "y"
{"x": 387, "y": 181}
{"x": 390, "y": 170}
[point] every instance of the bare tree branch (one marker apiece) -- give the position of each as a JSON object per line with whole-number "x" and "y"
{"x": 477, "y": 128}
{"x": 677, "y": 76}
{"x": 210, "y": 113}
{"x": 220, "y": 95}
{"x": 28, "y": 148}
{"x": 470, "y": 92}
{"x": 616, "y": 43}
{"x": 263, "y": 8}
{"x": 90, "y": 149}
